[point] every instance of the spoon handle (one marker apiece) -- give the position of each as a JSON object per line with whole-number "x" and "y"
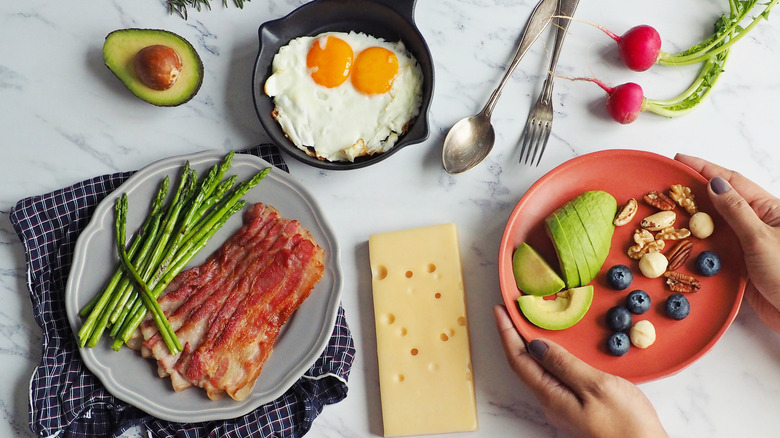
{"x": 540, "y": 18}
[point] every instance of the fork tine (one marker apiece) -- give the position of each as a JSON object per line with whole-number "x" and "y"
{"x": 525, "y": 138}
{"x": 544, "y": 144}
{"x": 529, "y": 140}
{"x": 544, "y": 135}
{"x": 538, "y": 134}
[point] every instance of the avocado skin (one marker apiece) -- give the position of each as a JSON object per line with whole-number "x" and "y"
{"x": 120, "y": 48}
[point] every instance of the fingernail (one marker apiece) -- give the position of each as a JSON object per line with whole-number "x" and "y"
{"x": 719, "y": 185}
{"x": 537, "y": 348}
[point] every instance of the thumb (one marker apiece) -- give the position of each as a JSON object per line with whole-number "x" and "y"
{"x": 734, "y": 209}
{"x": 570, "y": 370}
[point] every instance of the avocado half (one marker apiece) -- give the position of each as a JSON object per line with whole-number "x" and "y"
{"x": 120, "y": 49}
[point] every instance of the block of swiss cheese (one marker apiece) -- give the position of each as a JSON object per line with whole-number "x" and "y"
{"x": 425, "y": 373}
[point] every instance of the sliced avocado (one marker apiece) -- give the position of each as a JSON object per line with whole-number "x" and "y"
{"x": 564, "y": 311}
{"x": 120, "y": 48}
{"x": 598, "y": 228}
{"x": 605, "y": 204}
{"x": 563, "y": 249}
{"x": 573, "y": 227}
{"x": 532, "y": 273}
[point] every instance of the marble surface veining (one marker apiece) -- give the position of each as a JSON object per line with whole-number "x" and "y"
{"x": 64, "y": 118}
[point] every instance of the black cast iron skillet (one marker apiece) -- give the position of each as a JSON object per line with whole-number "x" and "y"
{"x": 392, "y": 20}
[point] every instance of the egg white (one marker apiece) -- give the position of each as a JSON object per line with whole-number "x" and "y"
{"x": 340, "y": 123}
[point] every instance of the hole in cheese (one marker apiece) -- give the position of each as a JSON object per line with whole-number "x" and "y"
{"x": 462, "y": 321}
{"x": 431, "y": 267}
{"x": 409, "y": 274}
{"x": 433, "y": 366}
{"x": 381, "y": 272}
{"x": 444, "y": 337}
{"x": 437, "y": 295}
{"x": 399, "y": 378}
{"x": 402, "y": 331}
{"x": 414, "y": 352}
{"x": 388, "y": 318}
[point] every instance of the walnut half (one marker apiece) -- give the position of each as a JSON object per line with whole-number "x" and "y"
{"x": 683, "y": 196}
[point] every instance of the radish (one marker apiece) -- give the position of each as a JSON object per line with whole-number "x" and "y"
{"x": 640, "y": 46}
{"x": 625, "y": 101}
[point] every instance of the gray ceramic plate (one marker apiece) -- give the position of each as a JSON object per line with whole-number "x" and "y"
{"x": 133, "y": 379}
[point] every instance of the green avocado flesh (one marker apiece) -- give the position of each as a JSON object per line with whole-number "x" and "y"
{"x": 563, "y": 248}
{"x": 564, "y": 311}
{"x": 581, "y": 231}
{"x": 532, "y": 273}
{"x": 120, "y": 48}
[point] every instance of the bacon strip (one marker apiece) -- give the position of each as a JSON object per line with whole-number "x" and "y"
{"x": 228, "y": 312}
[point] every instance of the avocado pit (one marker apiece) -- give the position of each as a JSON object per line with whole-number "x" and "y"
{"x": 157, "y": 66}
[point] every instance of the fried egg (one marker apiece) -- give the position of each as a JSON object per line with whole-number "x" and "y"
{"x": 339, "y": 96}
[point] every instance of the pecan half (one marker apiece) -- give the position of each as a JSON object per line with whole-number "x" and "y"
{"x": 683, "y": 196}
{"x": 681, "y": 282}
{"x": 659, "y": 201}
{"x": 626, "y": 213}
{"x": 679, "y": 254}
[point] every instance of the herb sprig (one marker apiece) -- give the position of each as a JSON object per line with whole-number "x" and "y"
{"x": 180, "y": 7}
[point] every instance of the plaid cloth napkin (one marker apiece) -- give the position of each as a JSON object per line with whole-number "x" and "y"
{"x": 67, "y": 400}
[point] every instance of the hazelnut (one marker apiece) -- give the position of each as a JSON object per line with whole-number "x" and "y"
{"x": 642, "y": 334}
{"x": 157, "y": 66}
{"x": 653, "y": 264}
{"x": 701, "y": 225}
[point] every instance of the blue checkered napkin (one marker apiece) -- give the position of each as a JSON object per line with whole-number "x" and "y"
{"x": 66, "y": 399}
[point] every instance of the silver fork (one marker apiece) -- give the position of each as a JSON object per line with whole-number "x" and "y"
{"x": 539, "y": 124}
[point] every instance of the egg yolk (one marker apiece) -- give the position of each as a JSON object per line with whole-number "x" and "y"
{"x": 329, "y": 61}
{"x": 374, "y": 70}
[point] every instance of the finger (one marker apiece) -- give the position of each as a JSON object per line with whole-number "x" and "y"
{"x": 514, "y": 346}
{"x": 736, "y": 211}
{"x": 747, "y": 188}
{"x": 764, "y": 309}
{"x": 545, "y": 386}
{"x": 573, "y": 372}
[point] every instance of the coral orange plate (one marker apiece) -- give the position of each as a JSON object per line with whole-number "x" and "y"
{"x": 626, "y": 174}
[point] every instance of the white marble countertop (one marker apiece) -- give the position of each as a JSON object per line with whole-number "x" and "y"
{"x": 65, "y": 118}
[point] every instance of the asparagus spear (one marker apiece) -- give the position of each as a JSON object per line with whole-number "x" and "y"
{"x": 166, "y": 331}
{"x": 96, "y": 308}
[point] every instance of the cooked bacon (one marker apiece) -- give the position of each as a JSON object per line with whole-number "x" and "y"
{"x": 228, "y": 311}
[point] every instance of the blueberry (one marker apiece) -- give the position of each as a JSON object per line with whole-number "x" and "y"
{"x": 677, "y": 306}
{"x": 708, "y": 263}
{"x": 619, "y": 319}
{"x": 619, "y": 277}
{"x": 638, "y": 302}
{"x": 618, "y": 343}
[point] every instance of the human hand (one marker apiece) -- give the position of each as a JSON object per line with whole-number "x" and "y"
{"x": 754, "y": 215}
{"x": 576, "y": 397}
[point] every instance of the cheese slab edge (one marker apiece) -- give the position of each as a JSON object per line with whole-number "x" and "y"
{"x": 424, "y": 356}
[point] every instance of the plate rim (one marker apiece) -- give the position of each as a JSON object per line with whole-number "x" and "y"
{"x": 296, "y": 370}
{"x": 505, "y": 249}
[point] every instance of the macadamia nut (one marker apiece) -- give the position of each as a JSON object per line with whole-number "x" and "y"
{"x": 701, "y": 225}
{"x": 653, "y": 264}
{"x": 642, "y": 334}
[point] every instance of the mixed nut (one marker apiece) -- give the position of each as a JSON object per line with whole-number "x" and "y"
{"x": 649, "y": 240}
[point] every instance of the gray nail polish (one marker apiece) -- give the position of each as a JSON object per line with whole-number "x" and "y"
{"x": 719, "y": 185}
{"x": 537, "y": 348}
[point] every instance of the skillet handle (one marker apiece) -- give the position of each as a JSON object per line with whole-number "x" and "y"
{"x": 404, "y": 7}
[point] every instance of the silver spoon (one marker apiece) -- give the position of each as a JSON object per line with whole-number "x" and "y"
{"x": 471, "y": 139}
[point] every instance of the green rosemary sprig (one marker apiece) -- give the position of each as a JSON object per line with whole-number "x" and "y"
{"x": 181, "y": 6}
